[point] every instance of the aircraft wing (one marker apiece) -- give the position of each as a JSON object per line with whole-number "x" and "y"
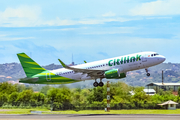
{"x": 90, "y": 72}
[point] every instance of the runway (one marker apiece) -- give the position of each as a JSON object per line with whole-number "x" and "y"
{"x": 90, "y": 117}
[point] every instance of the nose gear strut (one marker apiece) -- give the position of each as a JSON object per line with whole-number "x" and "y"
{"x": 148, "y": 74}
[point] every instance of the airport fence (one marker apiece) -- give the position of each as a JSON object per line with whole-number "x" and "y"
{"x": 67, "y": 106}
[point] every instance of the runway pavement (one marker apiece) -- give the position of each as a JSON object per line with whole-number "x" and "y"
{"x": 90, "y": 117}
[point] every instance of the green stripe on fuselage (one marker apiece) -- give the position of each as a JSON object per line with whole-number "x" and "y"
{"x": 49, "y": 78}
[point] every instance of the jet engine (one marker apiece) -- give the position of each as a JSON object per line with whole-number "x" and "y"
{"x": 114, "y": 73}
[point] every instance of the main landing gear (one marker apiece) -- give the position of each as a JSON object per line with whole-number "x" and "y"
{"x": 98, "y": 84}
{"x": 148, "y": 74}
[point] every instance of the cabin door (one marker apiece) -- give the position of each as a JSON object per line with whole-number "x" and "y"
{"x": 48, "y": 76}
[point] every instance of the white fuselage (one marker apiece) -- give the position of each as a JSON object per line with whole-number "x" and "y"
{"x": 123, "y": 63}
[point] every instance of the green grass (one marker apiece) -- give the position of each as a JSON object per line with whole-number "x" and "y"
{"x": 45, "y": 111}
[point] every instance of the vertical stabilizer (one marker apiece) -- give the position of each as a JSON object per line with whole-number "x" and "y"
{"x": 30, "y": 67}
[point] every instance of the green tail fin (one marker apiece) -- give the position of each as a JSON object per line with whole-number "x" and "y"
{"x": 30, "y": 66}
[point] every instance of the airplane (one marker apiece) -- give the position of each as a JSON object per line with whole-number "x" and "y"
{"x": 113, "y": 68}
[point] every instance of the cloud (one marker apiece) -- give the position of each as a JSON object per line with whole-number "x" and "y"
{"x": 60, "y": 22}
{"x": 16, "y": 38}
{"x": 61, "y": 29}
{"x": 109, "y": 14}
{"x": 11, "y": 38}
{"x": 112, "y": 30}
{"x": 22, "y": 16}
{"x": 30, "y": 16}
{"x": 85, "y": 21}
{"x": 159, "y": 7}
{"x": 3, "y": 35}
{"x": 103, "y": 20}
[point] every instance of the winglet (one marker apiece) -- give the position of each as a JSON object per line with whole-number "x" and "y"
{"x": 85, "y": 61}
{"x": 62, "y": 63}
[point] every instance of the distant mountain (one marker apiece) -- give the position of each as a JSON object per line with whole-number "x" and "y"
{"x": 14, "y": 71}
{"x": 11, "y": 71}
{"x": 139, "y": 78}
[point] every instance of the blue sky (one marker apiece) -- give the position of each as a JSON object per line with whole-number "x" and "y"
{"x": 89, "y": 29}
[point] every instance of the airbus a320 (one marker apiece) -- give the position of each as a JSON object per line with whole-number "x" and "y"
{"x": 113, "y": 68}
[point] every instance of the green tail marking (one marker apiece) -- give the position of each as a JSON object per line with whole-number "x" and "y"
{"x": 30, "y": 67}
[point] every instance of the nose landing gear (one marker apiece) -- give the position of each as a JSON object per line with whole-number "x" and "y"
{"x": 95, "y": 84}
{"x": 148, "y": 74}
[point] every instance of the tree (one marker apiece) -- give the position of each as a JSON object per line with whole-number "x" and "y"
{"x": 37, "y": 99}
{"x": 97, "y": 94}
{"x": 8, "y": 88}
{"x": 3, "y": 98}
{"x": 51, "y": 94}
{"x": 120, "y": 89}
{"x": 20, "y": 87}
{"x": 140, "y": 98}
{"x": 25, "y": 96}
{"x": 59, "y": 97}
{"x": 179, "y": 91}
{"x": 12, "y": 98}
{"x": 44, "y": 89}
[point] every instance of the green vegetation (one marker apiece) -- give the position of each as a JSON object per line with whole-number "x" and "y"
{"x": 45, "y": 111}
{"x": 63, "y": 98}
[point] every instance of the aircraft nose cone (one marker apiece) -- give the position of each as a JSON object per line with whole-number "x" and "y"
{"x": 162, "y": 58}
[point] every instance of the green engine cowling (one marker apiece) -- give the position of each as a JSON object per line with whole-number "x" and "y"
{"x": 114, "y": 73}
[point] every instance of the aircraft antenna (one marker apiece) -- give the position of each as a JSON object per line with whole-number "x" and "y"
{"x": 72, "y": 60}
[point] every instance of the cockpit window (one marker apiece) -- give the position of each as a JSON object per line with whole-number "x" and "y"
{"x": 156, "y": 54}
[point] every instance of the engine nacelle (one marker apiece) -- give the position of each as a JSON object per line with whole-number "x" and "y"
{"x": 114, "y": 73}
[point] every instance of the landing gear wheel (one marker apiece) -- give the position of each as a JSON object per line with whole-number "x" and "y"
{"x": 95, "y": 84}
{"x": 101, "y": 84}
{"x": 148, "y": 74}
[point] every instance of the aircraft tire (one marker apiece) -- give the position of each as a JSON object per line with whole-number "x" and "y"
{"x": 101, "y": 84}
{"x": 95, "y": 84}
{"x": 148, "y": 74}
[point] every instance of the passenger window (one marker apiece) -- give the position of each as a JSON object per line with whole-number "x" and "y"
{"x": 152, "y": 55}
